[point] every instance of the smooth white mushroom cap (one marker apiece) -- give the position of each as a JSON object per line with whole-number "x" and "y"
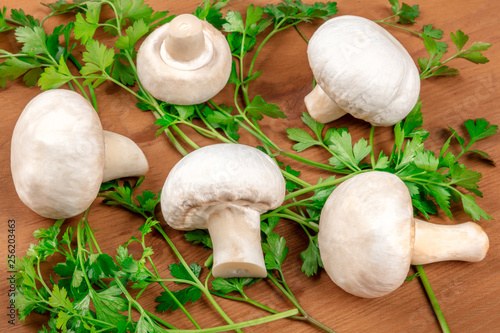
{"x": 190, "y": 77}
{"x": 57, "y": 154}
{"x": 364, "y": 70}
{"x": 216, "y": 177}
{"x": 366, "y": 234}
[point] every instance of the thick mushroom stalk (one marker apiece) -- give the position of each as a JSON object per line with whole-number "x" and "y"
{"x": 235, "y": 233}
{"x": 185, "y": 46}
{"x": 321, "y": 107}
{"x": 435, "y": 242}
{"x": 123, "y": 158}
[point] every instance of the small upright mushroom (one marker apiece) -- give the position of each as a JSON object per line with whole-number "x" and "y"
{"x": 360, "y": 69}
{"x": 368, "y": 236}
{"x": 225, "y": 188}
{"x": 186, "y": 61}
{"x": 60, "y": 155}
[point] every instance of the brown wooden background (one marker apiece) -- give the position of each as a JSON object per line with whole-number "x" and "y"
{"x": 469, "y": 294}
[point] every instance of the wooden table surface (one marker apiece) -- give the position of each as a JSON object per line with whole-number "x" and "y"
{"x": 468, "y": 293}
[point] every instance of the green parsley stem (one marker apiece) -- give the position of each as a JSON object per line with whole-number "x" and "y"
{"x": 245, "y": 299}
{"x": 185, "y": 137}
{"x": 255, "y": 131}
{"x": 391, "y": 24}
{"x": 286, "y": 291}
{"x": 211, "y": 128}
{"x": 327, "y": 183}
{"x": 306, "y": 160}
{"x": 372, "y": 151}
{"x": 81, "y": 246}
{"x": 200, "y": 285}
{"x": 172, "y": 296}
{"x": 433, "y": 299}
{"x": 266, "y": 39}
{"x": 194, "y": 284}
{"x": 301, "y": 33}
{"x": 243, "y": 324}
{"x": 289, "y": 217}
{"x": 295, "y": 179}
{"x": 176, "y": 143}
{"x": 91, "y": 88}
{"x": 7, "y": 54}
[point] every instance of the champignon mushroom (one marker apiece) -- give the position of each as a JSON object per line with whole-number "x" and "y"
{"x": 360, "y": 69}
{"x": 225, "y": 188}
{"x": 186, "y": 61}
{"x": 368, "y": 236}
{"x": 60, "y": 155}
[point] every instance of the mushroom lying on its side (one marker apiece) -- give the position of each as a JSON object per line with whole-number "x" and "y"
{"x": 368, "y": 236}
{"x": 360, "y": 69}
{"x": 225, "y": 188}
{"x": 186, "y": 61}
{"x": 60, "y": 155}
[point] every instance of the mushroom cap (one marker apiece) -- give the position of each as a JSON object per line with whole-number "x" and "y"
{"x": 366, "y": 234}
{"x": 219, "y": 176}
{"x": 57, "y": 154}
{"x": 364, "y": 69}
{"x": 181, "y": 86}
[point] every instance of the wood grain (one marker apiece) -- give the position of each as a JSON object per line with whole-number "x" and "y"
{"x": 468, "y": 293}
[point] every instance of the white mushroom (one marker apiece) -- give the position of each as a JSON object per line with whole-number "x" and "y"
{"x": 225, "y": 188}
{"x": 368, "y": 236}
{"x": 60, "y": 155}
{"x": 360, "y": 69}
{"x": 186, "y": 61}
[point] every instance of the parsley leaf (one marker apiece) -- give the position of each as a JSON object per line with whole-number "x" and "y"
{"x": 275, "y": 251}
{"x": 199, "y": 236}
{"x": 406, "y": 14}
{"x": 311, "y": 257}
{"x": 227, "y": 286}
{"x": 98, "y": 58}
{"x": 340, "y": 142}
{"x": 117, "y": 195}
{"x": 166, "y": 300}
{"x": 211, "y": 12}
{"x": 54, "y": 77}
{"x": 304, "y": 140}
{"x": 259, "y": 108}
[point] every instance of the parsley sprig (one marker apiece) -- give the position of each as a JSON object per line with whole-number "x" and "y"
{"x": 434, "y": 65}
{"x": 83, "y": 298}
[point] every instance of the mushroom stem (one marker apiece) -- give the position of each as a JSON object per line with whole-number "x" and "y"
{"x": 235, "y": 233}
{"x": 321, "y": 107}
{"x": 123, "y": 158}
{"x": 434, "y": 242}
{"x": 185, "y": 41}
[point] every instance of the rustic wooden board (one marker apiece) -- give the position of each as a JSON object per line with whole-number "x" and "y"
{"x": 469, "y": 293}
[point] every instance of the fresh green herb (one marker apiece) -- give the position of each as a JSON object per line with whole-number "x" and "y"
{"x": 91, "y": 289}
{"x": 169, "y": 300}
{"x": 404, "y": 13}
{"x": 434, "y": 65}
